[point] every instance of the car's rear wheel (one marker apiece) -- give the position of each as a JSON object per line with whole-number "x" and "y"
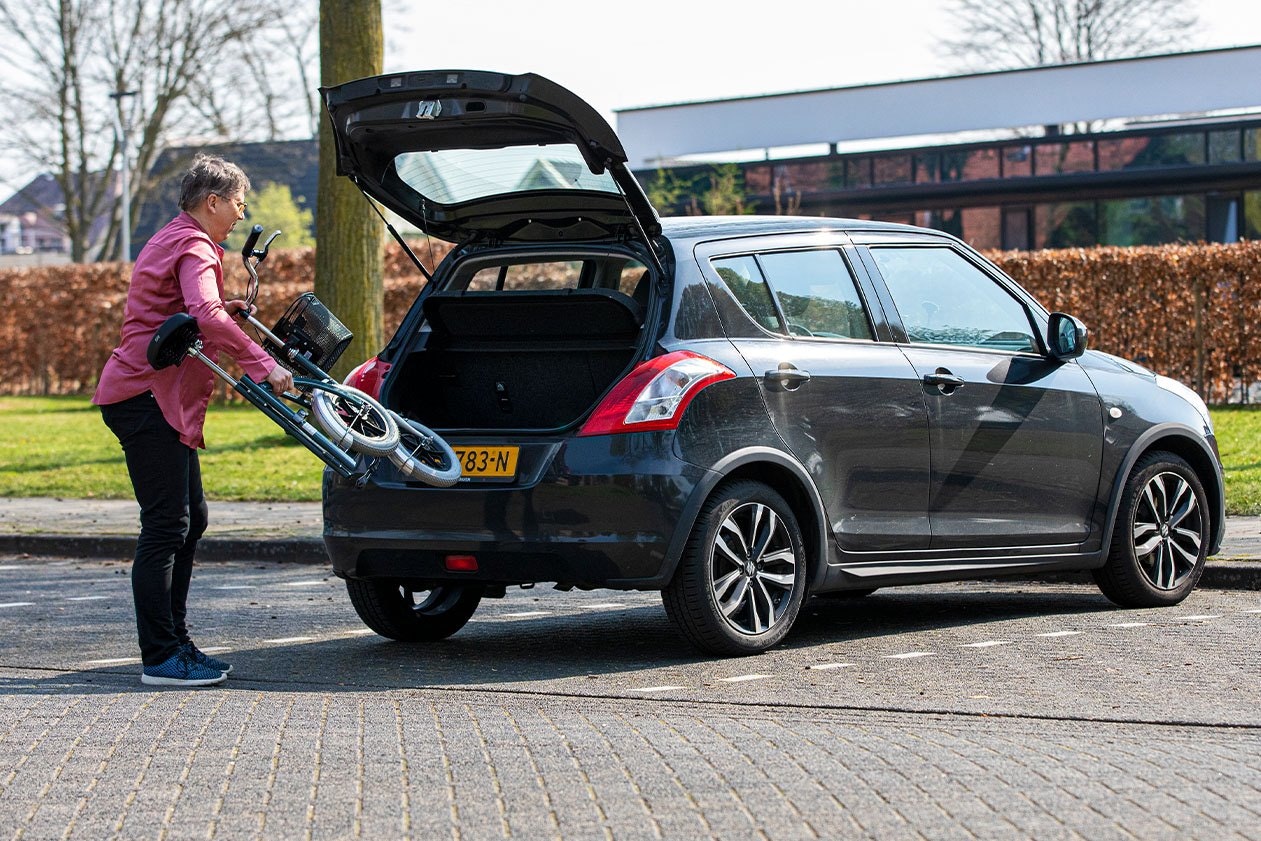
{"x": 395, "y": 611}
{"x": 1160, "y": 541}
{"x": 742, "y": 577}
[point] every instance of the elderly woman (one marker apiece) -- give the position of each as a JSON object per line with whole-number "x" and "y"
{"x": 158, "y": 415}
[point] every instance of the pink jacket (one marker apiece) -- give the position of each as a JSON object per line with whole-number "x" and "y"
{"x": 178, "y": 270}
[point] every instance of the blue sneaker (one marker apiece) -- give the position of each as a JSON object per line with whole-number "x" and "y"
{"x": 180, "y": 669}
{"x": 206, "y": 660}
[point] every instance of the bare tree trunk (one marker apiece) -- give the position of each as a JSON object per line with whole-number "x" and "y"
{"x": 349, "y": 237}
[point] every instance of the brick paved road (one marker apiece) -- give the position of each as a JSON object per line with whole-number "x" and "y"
{"x": 954, "y": 711}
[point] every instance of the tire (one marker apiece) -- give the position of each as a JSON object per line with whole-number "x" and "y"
{"x": 353, "y": 419}
{"x": 1161, "y": 537}
{"x": 422, "y": 455}
{"x": 398, "y": 613}
{"x": 742, "y": 577}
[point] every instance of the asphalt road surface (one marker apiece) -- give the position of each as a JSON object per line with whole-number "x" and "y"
{"x": 978, "y": 710}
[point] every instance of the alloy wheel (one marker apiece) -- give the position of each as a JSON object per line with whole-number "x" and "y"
{"x": 1168, "y": 529}
{"x": 754, "y": 568}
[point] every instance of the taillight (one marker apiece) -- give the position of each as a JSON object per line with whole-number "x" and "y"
{"x": 655, "y": 394}
{"x": 367, "y": 377}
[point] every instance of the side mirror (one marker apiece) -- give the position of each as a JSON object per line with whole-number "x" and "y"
{"x": 1066, "y": 336}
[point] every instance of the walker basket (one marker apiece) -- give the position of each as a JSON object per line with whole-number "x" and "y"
{"x": 314, "y": 332}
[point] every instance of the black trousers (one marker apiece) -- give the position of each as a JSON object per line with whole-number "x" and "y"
{"x": 166, "y": 476}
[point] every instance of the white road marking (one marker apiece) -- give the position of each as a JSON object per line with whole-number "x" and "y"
{"x": 85, "y": 598}
{"x": 1059, "y": 634}
{"x": 114, "y": 661}
{"x": 359, "y": 632}
{"x": 1200, "y": 616}
{"x": 603, "y": 606}
{"x": 656, "y": 688}
{"x": 526, "y": 613}
{"x": 909, "y": 655}
{"x": 742, "y": 678}
{"x": 301, "y": 583}
{"x": 1129, "y": 625}
{"x": 1253, "y": 611}
{"x": 215, "y": 649}
{"x": 986, "y": 644}
{"x": 7, "y": 567}
{"x": 283, "y": 640}
{"x": 825, "y": 666}
{"x": 235, "y": 587}
{"x": 17, "y": 604}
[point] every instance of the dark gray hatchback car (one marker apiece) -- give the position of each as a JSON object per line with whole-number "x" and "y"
{"x": 739, "y": 412}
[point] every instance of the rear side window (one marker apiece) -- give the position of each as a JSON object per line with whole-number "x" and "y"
{"x": 817, "y": 293}
{"x": 744, "y": 279}
{"x": 944, "y": 299}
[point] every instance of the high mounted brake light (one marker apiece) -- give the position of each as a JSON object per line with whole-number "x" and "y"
{"x": 368, "y": 376}
{"x": 655, "y": 394}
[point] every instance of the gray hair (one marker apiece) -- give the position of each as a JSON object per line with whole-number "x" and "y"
{"x": 210, "y": 174}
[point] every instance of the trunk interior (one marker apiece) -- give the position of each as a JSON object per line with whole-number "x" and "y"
{"x": 534, "y": 359}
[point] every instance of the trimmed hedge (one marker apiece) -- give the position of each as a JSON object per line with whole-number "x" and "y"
{"x": 1191, "y": 312}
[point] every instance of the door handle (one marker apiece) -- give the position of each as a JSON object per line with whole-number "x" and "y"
{"x": 787, "y": 377}
{"x": 945, "y": 381}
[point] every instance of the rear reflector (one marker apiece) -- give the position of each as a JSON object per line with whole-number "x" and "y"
{"x": 461, "y": 563}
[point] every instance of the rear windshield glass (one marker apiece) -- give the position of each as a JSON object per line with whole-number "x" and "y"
{"x": 451, "y": 176}
{"x": 607, "y": 273}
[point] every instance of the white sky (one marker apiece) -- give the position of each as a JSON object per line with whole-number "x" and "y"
{"x": 655, "y": 52}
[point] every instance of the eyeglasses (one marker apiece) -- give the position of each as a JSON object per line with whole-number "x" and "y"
{"x": 241, "y": 206}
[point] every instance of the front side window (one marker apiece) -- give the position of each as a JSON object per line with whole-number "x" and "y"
{"x": 944, "y": 299}
{"x": 817, "y": 294}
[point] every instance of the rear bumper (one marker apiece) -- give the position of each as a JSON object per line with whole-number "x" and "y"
{"x": 601, "y": 512}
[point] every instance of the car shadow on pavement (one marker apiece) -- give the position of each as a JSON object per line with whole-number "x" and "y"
{"x": 636, "y": 641}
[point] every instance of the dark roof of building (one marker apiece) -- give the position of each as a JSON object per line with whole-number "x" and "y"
{"x": 41, "y": 194}
{"x": 294, "y": 163}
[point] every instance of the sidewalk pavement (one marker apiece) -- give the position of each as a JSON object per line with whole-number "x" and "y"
{"x": 290, "y": 531}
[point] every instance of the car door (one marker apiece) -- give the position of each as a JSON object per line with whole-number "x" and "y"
{"x": 1016, "y": 435}
{"x": 848, "y": 407}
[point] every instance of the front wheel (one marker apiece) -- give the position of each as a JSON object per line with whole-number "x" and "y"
{"x": 1161, "y": 537}
{"x": 352, "y": 419}
{"x": 742, "y": 577}
{"x": 396, "y": 611}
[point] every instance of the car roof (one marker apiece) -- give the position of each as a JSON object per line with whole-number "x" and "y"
{"x": 703, "y": 227}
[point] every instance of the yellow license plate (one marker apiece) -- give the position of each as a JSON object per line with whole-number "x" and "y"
{"x": 488, "y": 462}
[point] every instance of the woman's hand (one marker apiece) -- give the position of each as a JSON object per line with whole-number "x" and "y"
{"x": 237, "y": 309}
{"x": 280, "y": 379}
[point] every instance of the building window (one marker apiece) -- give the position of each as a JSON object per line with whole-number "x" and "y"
{"x": 857, "y": 173}
{"x": 1017, "y": 228}
{"x": 1223, "y": 218}
{"x": 1152, "y": 221}
{"x": 891, "y": 169}
{"x": 1225, "y": 147}
{"x": 982, "y": 228}
{"x": 927, "y": 168}
{"x": 1065, "y": 225}
{"x": 1058, "y": 158}
{"x": 1017, "y": 161}
{"x": 1252, "y": 215}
